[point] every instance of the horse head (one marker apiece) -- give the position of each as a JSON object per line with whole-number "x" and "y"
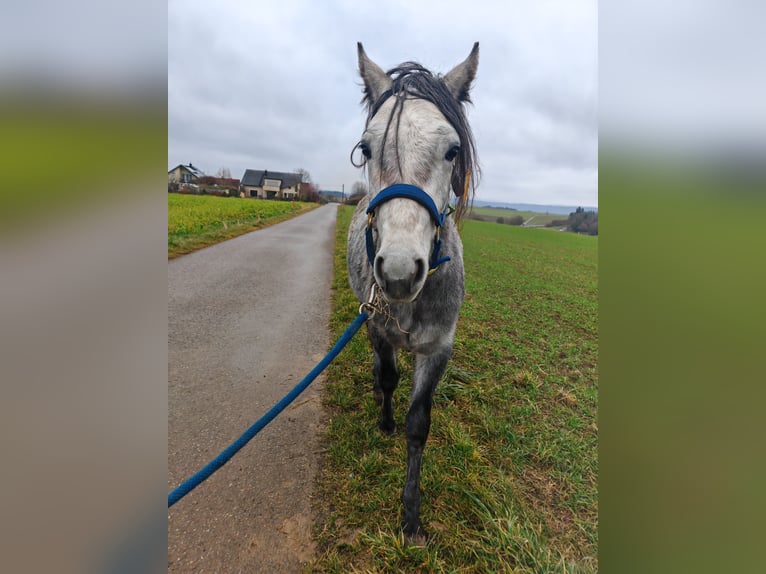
{"x": 417, "y": 140}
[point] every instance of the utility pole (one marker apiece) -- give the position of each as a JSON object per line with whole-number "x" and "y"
{"x": 343, "y": 191}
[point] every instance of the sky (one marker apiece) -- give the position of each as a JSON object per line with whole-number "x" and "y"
{"x": 275, "y": 85}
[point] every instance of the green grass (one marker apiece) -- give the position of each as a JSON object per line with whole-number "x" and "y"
{"x": 510, "y": 468}
{"x": 683, "y": 326}
{"x": 196, "y": 221}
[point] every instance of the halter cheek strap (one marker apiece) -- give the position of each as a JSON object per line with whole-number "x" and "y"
{"x": 416, "y": 194}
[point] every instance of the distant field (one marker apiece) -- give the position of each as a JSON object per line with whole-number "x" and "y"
{"x": 510, "y": 470}
{"x": 539, "y": 218}
{"x": 196, "y": 221}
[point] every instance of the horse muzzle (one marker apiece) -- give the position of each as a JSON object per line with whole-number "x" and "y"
{"x": 400, "y": 276}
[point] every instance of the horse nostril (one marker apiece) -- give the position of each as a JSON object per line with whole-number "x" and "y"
{"x": 379, "y": 267}
{"x": 420, "y": 270}
{"x": 399, "y": 275}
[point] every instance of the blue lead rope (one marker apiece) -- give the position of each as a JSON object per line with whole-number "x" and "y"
{"x": 200, "y": 476}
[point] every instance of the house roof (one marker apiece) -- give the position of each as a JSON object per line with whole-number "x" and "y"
{"x": 194, "y": 170}
{"x": 255, "y": 177}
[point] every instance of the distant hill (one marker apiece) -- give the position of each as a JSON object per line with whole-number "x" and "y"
{"x": 332, "y": 195}
{"x": 537, "y": 208}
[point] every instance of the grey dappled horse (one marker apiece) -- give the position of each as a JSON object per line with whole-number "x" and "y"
{"x": 418, "y": 148}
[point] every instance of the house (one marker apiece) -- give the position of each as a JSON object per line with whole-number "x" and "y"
{"x": 185, "y": 174}
{"x": 265, "y": 184}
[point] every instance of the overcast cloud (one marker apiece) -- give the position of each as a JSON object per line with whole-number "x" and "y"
{"x": 274, "y": 85}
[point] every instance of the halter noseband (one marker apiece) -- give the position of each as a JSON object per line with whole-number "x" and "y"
{"x": 416, "y": 194}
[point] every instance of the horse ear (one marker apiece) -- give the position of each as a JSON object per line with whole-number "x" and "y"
{"x": 459, "y": 79}
{"x": 376, "y": 81}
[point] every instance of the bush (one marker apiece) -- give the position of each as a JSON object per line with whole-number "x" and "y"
{"x": 515, "y": 220}
{"x": 579, "y": 221}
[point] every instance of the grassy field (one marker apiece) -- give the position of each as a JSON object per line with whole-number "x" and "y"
{"x": 510, "y": 470}
{"x": 539, "y": 218}
{"x": 196, "y": 221}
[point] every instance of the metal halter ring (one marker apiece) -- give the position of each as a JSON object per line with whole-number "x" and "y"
{"x": 369, "y": 306}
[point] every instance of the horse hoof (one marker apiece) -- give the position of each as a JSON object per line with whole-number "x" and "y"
{"x": 417, "y": 538}
{"x": 387, "y": 428}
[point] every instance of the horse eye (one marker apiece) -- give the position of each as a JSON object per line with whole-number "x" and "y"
{"x": 365, "y": 150}
{"x": 452, "y": 152}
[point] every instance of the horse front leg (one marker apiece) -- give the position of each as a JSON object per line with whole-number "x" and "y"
{"x": 386, "y": 378}
{"x": 428, "y": 370}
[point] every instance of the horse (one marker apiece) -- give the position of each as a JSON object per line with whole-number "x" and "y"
{"x": 405, "y": 257}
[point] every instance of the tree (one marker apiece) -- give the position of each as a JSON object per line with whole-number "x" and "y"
{"x": 358, "y": 191}
{"x": 359, "y": 188}
{"x": 310, "y": 192}
{"x": 223, "y": 172}
{"x": 579, "y": 221}
{"x": 305, "y": 175}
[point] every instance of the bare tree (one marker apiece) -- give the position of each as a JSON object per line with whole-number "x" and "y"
{"x": 223, "y": 172}
{"x": 359, "y": 188}
{"x": 305, "y": 175}
{"x": 358, "y": 191}
{"x": 310, "y": 192}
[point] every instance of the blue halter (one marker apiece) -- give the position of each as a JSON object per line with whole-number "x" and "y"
{"x": 416, "y": 194}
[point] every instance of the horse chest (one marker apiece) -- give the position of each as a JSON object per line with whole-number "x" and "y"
{"x": 402, "y": 332}
{"x": 398, "y": 337}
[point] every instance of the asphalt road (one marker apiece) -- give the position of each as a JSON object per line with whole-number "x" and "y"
{"x": 247, "y": 319}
